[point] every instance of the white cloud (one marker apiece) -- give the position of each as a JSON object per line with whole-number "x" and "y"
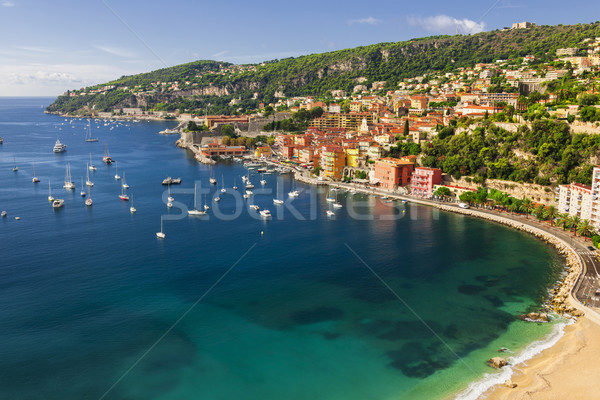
{"x": 116, "y": 51}
{"x": 8, "y": 4}
{"x": 53, "y": 79}
{"x": 365, "y": 21}
{"x": 446, "y": 24}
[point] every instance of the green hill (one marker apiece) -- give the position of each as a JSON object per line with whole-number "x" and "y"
{"x": 201, "y": 83}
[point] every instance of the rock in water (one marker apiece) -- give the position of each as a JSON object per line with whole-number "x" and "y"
{"x": 509, "y": 384}
{"x": 497, "y": 362}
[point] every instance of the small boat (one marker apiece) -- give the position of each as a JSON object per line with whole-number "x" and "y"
{"x": 1, "y": 141}
{"x": 35, "y": 179}
{"x": 59, "y": 147}
{"x": 330, "y": 213}
{"x": 212, "y": 179}
{"x": 265, "y": 213}
{"x": 277, "y": 200}
{"x": 15, "y": 168}
{"x": 223, "y": 190}
{"x": 106, "y": 158}
{"x": 254, "y": 207}
{"x": 338, "y": 205}
{"x": 245, "y": 195}
{"x": 294, "y": 192}
{"x": 330, "y": 199}
{"x": 169, "y": 198}
{"x": 249, "y": 185}
{"x": 88, "y": 182}
{"x": 132, "y": 209}
{"x": 88, "y": 201}
{"x": 123, "y": 195}
{"x": 68, "y": 182}
{"x": 58, "y": 203}
{"x": 117, "y": 176}
{"x": 160, "y": 234}
{"x": 50, "y": 198}
{"x": 82, "y": 193}
{"x": 88, "y": 135}
{"x": 167, "y": 181}
{"x": 176, "y": 181}
{"x": 125, "y": 185}
{"x": 3, "y": 214}
{"x": 196, "y": 211}
{"x": 91, "y": 166}
{"x": 217, "y": 199}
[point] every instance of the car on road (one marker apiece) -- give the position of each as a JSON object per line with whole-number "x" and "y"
{"x": 591, "y": 248}
{"x": 463, "y": 205}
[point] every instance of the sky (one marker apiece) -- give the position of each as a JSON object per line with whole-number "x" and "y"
{"x": 50, "y": 46}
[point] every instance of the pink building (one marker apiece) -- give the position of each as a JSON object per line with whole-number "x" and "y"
{"x": 423, "y": 180}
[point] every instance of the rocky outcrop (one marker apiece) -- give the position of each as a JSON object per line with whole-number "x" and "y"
{"x": 510, "y": 384}
{"x": 497, "y": 362}
{"x": 534, "y": 317}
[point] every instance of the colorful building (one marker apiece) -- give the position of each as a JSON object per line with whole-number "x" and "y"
{"x": 423, "y": 181}
{"x": 262, "y": 151}
{"x": 352, "y": 157}
{"x": 333, "y": 159}
{"x": 391, "y": 173}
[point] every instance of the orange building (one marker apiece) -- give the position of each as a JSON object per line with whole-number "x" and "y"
{"x": 392, "y": 173}
{"x": 333, "y": 160}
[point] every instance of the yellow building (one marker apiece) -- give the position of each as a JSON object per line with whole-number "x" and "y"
{"x": 262, "y": 151}
{"x": 333, "y": 160}
{"x": 352, "y": 157}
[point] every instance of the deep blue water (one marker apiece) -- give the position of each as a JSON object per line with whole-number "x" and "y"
{"x": 91, "y": 300}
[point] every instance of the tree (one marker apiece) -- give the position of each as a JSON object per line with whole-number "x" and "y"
{"x": 226, "y": 140}
{"x": 527, "y": 206}
{"x": 584, "y": 228}
{"x": 406, "y": 131}
{"x": 540, "y": 212}
{"x": 443, "y": 191}
{"x": 228, "y": 130}
{"x": 271, "y": 141}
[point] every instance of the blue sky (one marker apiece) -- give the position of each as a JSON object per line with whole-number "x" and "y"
{"x": 50, "y": 46}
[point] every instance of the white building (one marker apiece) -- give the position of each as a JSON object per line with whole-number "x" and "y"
{"x": 576, "y": 199}
{"x": 581, "y": 200}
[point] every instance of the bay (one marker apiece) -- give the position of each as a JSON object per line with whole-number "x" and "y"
{"x": 382, "y": 301}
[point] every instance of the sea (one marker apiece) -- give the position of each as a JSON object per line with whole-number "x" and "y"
{"x": 384, "y": 300}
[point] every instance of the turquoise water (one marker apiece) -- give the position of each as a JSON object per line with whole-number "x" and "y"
{"x": 91, "y": 301}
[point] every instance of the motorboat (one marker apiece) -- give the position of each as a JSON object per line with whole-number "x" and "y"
{"x": 59, "y": 147}
{"x": 265, "y": 213}
{"x": 57, "y": 203}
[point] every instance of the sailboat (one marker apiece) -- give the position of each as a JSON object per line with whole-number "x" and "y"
{"x": 223, "y": 190}
{"x": 123, "y": 195}
{"x": 294, "y": 192}
{"x": 68, "y": 182}
{"x": 88, "y": 201}
{"x": 106, "y": 157}
{"x": 262, "y": 180}
{"x": 50, "y": 198}
{"x": 169, "y": 194}
{"x": 117, "y": 177}
{"x": 82, "y": 193}
{"x": 234, "y": 186}
{"x": 196, "y": 211}
{"x": 125, "y": 185}
{"x": 212, "y": 180}
{"x": 15, "y": 169}
{"x": 132, "y": 208}
{"x": 337, "y": 204}
{"x": 329, "y": 198}
{"x": 160, "y": 234}
{"x": 88, "y": 135}
{"x": 276, "y": 200}
{"x": 35, "y": 178}
{"x": 91, "y": 166}
{"x": 88, "y": 182}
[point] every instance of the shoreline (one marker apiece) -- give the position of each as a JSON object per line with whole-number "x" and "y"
{"x": 541, "y": 371}
{"x": 552, "y": 371}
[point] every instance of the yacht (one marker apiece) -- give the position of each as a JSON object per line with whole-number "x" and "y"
{"x": 58, "y": 203}
{"x": 196, "y": 210}
{"x": 35, "y": 179}
{"x": 125, "y": 185}
{"x": 132, "y": 209}
{"x": 50, "y": 198}
{"x": 123, "y": 195}
{"x": 330, "y": 213}
{"x": 91, "y": 166}
{"x": 88, "y": 201}
{"x": 107, "y": 159}
{"x": 68, "y": 182}
{"x": 59, "y": 147}
{"x": 167, "y": 181}
{"x": 161, "y": 234}
{"x": 265, "y": 213}
{"x": 117, "y": 176}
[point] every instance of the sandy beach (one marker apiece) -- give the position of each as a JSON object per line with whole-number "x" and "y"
{"x": 567, "y": 370}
